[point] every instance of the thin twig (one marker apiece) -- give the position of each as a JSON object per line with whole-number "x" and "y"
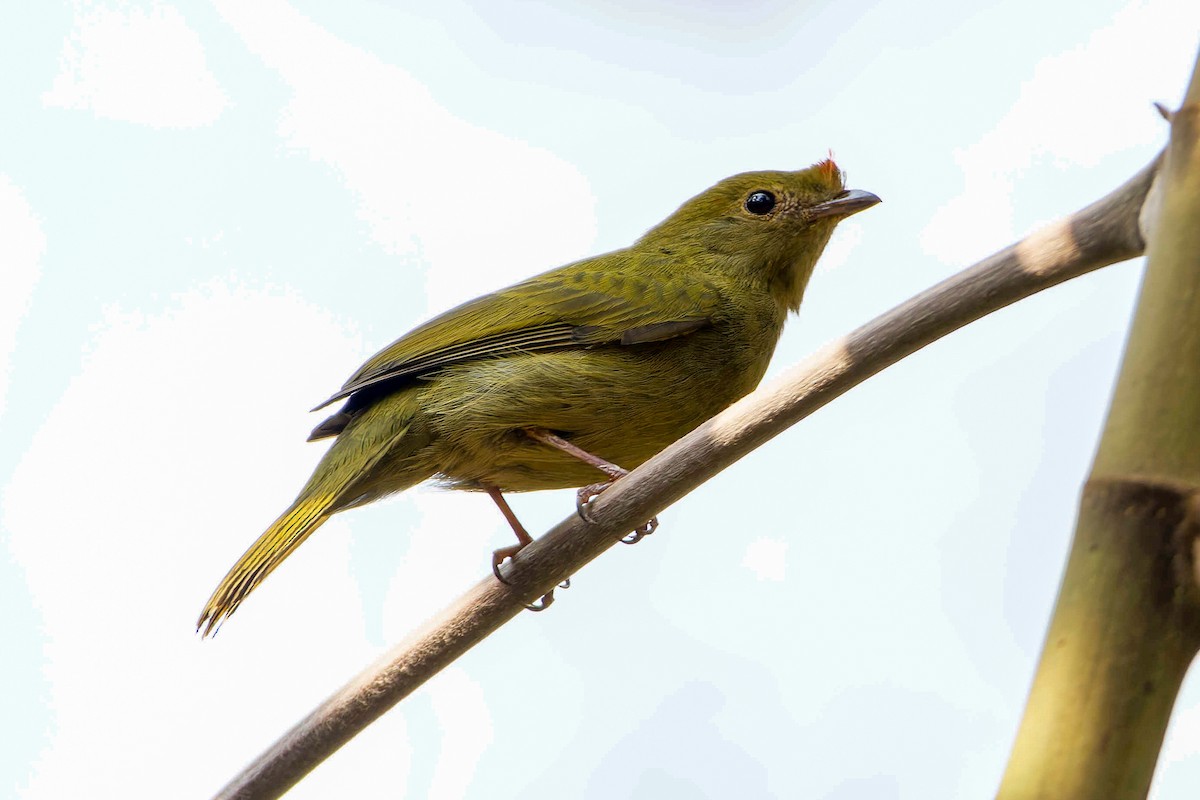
{"x": 1106, "y": 232}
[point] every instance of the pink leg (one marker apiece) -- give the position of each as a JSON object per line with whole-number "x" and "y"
{"x": 585, "y": 495}
{"x": 523, "y": 539}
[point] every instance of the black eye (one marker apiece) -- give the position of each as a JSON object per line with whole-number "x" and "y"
{"x": 760, "y": 202}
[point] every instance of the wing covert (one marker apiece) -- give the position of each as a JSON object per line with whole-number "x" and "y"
{"x": 581, "y": 305}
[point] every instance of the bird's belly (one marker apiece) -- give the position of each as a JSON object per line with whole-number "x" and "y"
{"x": 621, "y": 404}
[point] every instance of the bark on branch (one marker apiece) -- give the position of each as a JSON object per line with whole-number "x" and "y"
{"x": 1106, "y": 232}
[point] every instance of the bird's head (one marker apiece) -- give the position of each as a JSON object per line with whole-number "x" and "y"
{"x": 767, "y": 227}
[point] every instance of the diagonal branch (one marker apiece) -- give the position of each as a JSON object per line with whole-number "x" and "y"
{"x": 1106, "y": 232}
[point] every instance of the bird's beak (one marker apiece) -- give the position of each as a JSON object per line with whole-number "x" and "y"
{"x": 848, "y": 202}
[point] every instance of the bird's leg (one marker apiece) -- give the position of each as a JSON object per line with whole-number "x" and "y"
{"x": 585, "y": 495}
{"x": 523, "y": 539}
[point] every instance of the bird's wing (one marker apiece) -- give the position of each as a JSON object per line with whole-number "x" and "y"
{"x": 591, "y": 302}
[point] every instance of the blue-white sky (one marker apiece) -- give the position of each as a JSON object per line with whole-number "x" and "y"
{"x": 210, "y": 213}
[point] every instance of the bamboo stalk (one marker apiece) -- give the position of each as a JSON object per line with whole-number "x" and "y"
{"x": 1126, "y": 624}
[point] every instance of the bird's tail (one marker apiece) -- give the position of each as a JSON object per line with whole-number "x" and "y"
{"x": 394, "y": 430}
{"x": 295, "y": 525}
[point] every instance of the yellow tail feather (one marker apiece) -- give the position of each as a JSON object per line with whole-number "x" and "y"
{"x": 286, "y": 534}
{"x": 343, "y": 473}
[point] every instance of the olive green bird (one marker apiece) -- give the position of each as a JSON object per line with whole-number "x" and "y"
{"x": 570, "y": 376}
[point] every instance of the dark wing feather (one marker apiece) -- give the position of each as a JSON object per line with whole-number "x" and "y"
{"x": 584, "y": 304}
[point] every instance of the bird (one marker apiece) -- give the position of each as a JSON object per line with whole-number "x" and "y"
{"x": 572, "y": 377}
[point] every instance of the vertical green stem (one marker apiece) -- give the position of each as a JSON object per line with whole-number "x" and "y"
{"x": 1126, "y": 625}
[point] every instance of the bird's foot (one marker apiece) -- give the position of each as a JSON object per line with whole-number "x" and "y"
{"x": 585, "y": 496}
{"x": 508, "y": 553}
{"x": 505, "y": 554}
{"x": 641, "y": 533}
{"x": 583, "y": 500}
{"x": 541, "y": 605}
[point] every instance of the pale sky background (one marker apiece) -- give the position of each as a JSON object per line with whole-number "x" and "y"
{"x": 211, "y": 213}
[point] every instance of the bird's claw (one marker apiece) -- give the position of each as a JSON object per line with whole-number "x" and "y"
{"x": 502, "y": 555}
{"x": 642, "y": 532}
{"x": 507, "y": 553}
{"x": 544, "y": 603}
{"x": 583, "y": 499}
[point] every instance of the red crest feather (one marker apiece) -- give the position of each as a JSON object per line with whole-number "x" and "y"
{"x": 829, "y": 170}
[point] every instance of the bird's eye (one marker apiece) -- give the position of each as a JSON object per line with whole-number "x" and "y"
{"x": 760, "y": 202}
